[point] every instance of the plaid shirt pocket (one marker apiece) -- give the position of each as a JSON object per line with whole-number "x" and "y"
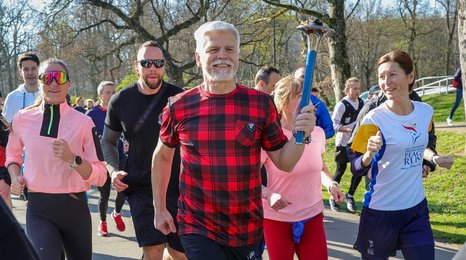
{"x": 245, "y": 132}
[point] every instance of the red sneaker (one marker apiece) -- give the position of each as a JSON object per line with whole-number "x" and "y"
{"x": 120, "y": 225}
{"x": 103, "y": 232}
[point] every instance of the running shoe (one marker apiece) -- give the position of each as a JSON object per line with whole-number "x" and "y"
{"x": 449, "y": 121}
{"x": 333, "y": 206}
{"x": 120, "y": 225}
{"x": 103, "y": 232}
{"x": 350, "y": 204}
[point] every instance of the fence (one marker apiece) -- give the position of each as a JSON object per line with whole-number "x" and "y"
{"x": 434, "y": 85}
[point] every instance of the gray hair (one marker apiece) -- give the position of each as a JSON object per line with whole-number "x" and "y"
{"x": 101, "y": 86}
{"x": 213, "y": 26}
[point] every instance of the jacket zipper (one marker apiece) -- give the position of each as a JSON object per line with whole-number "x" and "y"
{"x": 51, "y": 119}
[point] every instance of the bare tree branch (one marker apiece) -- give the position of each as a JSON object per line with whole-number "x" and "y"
{"x": 271, "y": 17}
{"x": 324, "y": 17}
{"x": 352, "y": 10}
{"x": 132, "y": 22}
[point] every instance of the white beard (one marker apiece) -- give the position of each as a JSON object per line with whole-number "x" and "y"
{"x": 222, "y": 74}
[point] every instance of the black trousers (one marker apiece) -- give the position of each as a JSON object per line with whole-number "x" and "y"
{"x": 341, "y": 160}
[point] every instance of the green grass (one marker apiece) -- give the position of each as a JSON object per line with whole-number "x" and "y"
{"x": 445, "y": 189}
{"x": 442, "y": 105}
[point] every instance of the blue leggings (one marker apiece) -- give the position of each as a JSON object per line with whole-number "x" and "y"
{"x": 459, "y": 97}
{"x": 57, "y": 222}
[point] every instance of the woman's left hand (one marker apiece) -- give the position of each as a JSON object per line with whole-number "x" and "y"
{"x": 443, "y": 161}
{"x": 277, "y": 202}
{"x": 61, "y": 150}
{"x": 337, "y": 195}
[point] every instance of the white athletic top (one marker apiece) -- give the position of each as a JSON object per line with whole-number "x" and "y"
{"x": 397, "y": 168}
{"x": 341, "y": 139}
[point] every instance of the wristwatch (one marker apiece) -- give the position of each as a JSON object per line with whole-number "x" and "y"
{"x": 76, "y": 161}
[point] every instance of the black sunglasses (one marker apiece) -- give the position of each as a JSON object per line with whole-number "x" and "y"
{"x": 158, "y": 63}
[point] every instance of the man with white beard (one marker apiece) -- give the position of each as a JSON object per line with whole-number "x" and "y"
{"x": 221, "y": 126}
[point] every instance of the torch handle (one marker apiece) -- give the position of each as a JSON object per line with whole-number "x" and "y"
{"x": 306, "y": 95}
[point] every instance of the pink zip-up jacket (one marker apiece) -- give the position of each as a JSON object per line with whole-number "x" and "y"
{"x": 34, "y": 130}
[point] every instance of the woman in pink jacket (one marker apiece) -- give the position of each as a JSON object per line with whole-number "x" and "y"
{"x": 63, "y": 159}
{"x": 293, "y": 206}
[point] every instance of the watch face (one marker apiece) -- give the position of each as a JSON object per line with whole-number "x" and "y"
{"x": 78, "y": 160}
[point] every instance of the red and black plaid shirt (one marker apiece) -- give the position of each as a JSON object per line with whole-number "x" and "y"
{"x": 221, "y": 138}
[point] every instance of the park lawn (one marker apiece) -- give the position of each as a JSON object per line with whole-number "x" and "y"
{"x": 444, "y": 188}
{"x": 442, "y": 105}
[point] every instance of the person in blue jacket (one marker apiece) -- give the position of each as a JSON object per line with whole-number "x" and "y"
{"x": 105, "y": 91}
{"x": 458, "y": 84}
{"x": 323, "y": 118}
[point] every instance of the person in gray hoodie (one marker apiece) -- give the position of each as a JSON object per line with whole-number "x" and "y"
{"x": 26, "y": 93}
{"x": 24, "y": 96}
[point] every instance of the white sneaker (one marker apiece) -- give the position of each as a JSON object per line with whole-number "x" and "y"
{"x": 449, "y": 121}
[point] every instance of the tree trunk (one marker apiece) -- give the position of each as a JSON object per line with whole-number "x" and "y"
{"x": 339, "y": 64}
{"x": 451, "y": 22}
{"x": 462, "y": 47}
{"x": 11, "y": 77}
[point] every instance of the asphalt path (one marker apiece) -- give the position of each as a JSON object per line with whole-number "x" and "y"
{"x": 341, "y": 230}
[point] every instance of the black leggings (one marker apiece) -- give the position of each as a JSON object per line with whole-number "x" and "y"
{"x": 104, "y": 197}
{"x": 56, "y": 222}
{"x": 341, "y": 160}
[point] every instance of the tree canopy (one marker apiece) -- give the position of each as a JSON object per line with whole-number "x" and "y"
{"x": 98, "y": 38}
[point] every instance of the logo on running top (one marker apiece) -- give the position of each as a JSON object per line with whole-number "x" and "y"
{"x": 411, "y": 129}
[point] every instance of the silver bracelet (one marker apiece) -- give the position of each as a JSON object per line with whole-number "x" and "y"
{"x": 333, "y": 184}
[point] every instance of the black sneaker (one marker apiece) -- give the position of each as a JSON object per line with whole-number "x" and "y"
{"x": 333, "y": 205}
{"x": 350, "y": 204}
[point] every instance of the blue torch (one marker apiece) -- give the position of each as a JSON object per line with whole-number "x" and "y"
{"x": 315, "y": 32}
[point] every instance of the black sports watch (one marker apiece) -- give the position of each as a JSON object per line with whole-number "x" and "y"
{"x": 76, "y": 161}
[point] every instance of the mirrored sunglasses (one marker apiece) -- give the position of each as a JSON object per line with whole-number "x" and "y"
{"x": 48, "y": 77}
{"x": 158, "y": 63}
